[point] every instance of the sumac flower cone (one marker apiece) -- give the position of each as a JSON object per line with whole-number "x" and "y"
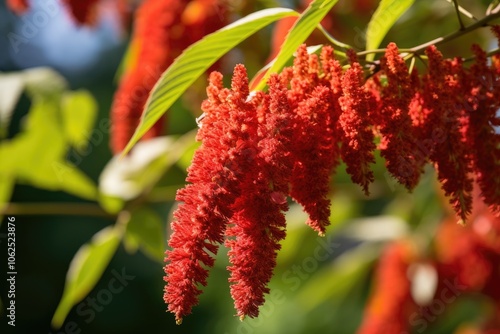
{"x": 258, "y": 150}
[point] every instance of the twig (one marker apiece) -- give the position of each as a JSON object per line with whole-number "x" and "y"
{"x": 495, "y": 14}
{"x": 457, "y": 11}
{"x": 466, "y": 12}
{"x": 332, "y": 39}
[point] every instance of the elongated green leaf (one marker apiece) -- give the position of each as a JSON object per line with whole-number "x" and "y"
{"x": 145, "y": 230}
{"x": 387, "y": 13}
{"x": 197, "y": 59}
{"x": 43, "y": 144}
{"x": 63, "y": 175}
{"x": 86, "y": 269}
{"x": 304, "y": 26}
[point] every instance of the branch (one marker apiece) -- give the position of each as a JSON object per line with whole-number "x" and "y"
{"x": 64, "y": 209}
{"x": 495, "y": 14}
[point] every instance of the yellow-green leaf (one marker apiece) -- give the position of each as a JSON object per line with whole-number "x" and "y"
{"x": 304, "y": 26}
{"x": 387, "y": 13}
{"x": 86, "y": 269}
{"x": 195, "y": 60}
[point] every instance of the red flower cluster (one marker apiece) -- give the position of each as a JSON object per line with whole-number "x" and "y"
{"x": 392, "y": 118}
{"x": 162, "y": 29}
{"x": 447, "y": 117}
{"x": 258, "y": 149}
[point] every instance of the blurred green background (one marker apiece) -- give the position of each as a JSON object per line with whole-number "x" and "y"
{"x": 320, "y": 285}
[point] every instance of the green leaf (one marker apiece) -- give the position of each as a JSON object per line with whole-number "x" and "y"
{"x": 195, "y": 60}
{"x": 79, "y": 111}
{"x": 9, "y": 156}
{"x": 86, "y": 269}
{"x": 146, "y": 231}
{"x": 130, "y": 176}
{"x": 62, "y": 175}
{"x": 387, "y": 13}
{"x": 43, "y": 144}
{"x": 41, "y": 141}
{"x": 304, "y": 26}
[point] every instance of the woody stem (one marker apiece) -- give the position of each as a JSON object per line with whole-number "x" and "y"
{"x": 495, "y": 14}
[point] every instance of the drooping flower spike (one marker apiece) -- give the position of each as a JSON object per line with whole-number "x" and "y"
{"x": 228, "y": 150}
{"x": 450, "y": 153}
{"x": 358, "y": 139}
{"x": 398, "y": 143}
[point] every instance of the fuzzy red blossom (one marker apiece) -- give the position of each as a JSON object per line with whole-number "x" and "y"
{"x": 483, "y": 102}
{"x": 450, "y": 152}
{"x": 219, "y": 166}
{"x": 259, "y": 226}
{"x": 277, "y": 122}
{"x": 397, "y": 144}
{"x": 314, "y": 155}
{"x": 316, "y": 150}
{"x": 358, "y": 139}
{"x": 332, "y": 74}
{"x": 390, "y": 306}
{"x": 162, "y": 29}
{"x": 258, "y": 223}
{"x": 305, "y": 74}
